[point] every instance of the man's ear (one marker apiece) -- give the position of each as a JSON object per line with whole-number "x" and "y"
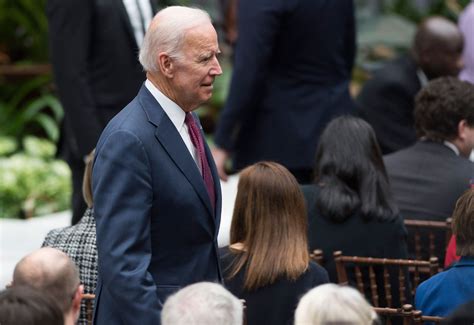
{"x": 76, "y": 300}
{"x": 462, "y": 126}
{"x": 165, "y": 64}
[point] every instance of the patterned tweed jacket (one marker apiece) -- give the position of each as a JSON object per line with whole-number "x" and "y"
{"x": 79, "y": 243}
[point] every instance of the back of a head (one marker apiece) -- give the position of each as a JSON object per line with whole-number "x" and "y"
{"x": 334, "y": 304}
{"x": 270, "y": 220}
{"x": 441, "y": 105}
{"x": 437, "y": 47}
{"x": 51, "y": 271}
{"x": 166, "y": 33}
{"x": 463, "y": 224}
{"x": 202, "y": 303}
{"x": 349, "y": 163}
{"x": 25, "y": 305}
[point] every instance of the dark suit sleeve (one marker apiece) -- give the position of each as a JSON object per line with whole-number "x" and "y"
{"x": 259, "y": 23}
{"x": 123, "y": 195}
{"x": 70, "y": 40}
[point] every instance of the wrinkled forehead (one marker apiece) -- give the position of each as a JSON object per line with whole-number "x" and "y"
{"x": 200, "y": 37}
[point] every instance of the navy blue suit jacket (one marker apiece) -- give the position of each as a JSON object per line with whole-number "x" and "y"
{"x": 293, "y": 62}
{"x": 156, "y": 231}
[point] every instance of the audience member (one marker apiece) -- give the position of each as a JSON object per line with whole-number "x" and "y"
{"x": 466, "y": 25}
{"x": 24, "y": 305}
{"x": 53, "y": 273}
{"x": 334, "y": 304}
{"x": 387, "y": 100}
{"x": 287, "y": 82}
{"x": 463, "y": 315}
{"x": 267, "y": 263}
{"x": 157, "y": 197}
{"x": 444, "y": 292}
{"x": 79, "y": 241}
{"x": 93, "y": 49}
{"x": 350, "y": 205}
{"x": 202, "y": 303}
{"x": 428, "y": 177}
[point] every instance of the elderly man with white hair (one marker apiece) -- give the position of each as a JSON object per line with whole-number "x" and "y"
{"x": 157, "y": 198}
{"x": 334, "y": 304}
{"x": 202, "y": 303}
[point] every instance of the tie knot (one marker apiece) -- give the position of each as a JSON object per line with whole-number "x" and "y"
{"x": 189, "y": 118}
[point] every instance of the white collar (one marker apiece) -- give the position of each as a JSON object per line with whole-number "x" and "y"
{"x": 422, "y": 77}
{"x": 451, "y": 146}
{"x": 174, "y": 112}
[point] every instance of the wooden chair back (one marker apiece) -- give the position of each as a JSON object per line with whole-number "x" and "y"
{"x": 317, "y": 255}
{"x": 89, "y": 299}
{"x": 366, "y": 265}
{"x": 407, "y": 313}
{"x": 424, "y": 233}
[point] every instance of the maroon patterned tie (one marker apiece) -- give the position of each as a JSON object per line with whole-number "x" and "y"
{"x": 197, "y": 141}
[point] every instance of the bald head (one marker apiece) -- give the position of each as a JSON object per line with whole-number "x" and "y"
{"x": 437, "y": 47}
{"x": 51, "y": 271}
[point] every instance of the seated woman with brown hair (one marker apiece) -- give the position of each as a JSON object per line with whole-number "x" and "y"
{"x": 267, "y": 263}
{"x": 350, "y": 205}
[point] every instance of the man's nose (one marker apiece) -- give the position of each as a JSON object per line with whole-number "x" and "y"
{"x": 216, "y": 69}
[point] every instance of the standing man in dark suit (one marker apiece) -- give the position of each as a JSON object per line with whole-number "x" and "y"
{"x": 387, "y": 100}
{"x": 94, "y": 48}
{"x": 157, "y": 197}
{"x": 293, "y": 62}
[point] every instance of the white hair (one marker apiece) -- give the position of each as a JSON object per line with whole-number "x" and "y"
{"x": 166, "y": 33}
{"x": 334, "y": 304}
{"x": 202, "y": 303}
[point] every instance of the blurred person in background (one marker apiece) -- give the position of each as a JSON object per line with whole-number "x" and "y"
{"x": 466, "y": 25}
{"x": 23, "y": 305}
{"x": 291, "y": 72}
{"x": 444, "y": 292}
{"x": 428, "y": 177}
{"x": 94, "y": 53}
{"x": 387, "y": 100}
{"x": 202, "y": 303}
{"x": 334, "y": 304}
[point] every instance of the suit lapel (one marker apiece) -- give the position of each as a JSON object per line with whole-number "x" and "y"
{"x": 171, "y": 141}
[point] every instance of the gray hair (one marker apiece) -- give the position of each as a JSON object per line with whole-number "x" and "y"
{"x": 166, "y": 33}
{"x": 334, "y": 304}
{"x": 202, "y": 303}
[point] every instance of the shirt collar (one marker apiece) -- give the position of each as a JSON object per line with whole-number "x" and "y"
{"x": 422, "y": 77}
{"x": 465, "y": 260}
{"x": 174, "y": 112}
{"x": 452, "y": 147}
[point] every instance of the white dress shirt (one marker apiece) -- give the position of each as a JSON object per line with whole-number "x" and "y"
{"x": 135, "y": 19}
{"x": 176, "y": 115}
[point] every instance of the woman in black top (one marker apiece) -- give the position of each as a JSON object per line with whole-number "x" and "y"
{"x": 350, "y": 206}
{"x": 267, "y": 263}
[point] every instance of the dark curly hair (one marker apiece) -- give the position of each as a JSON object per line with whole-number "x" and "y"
{"x": 441, "y": 105}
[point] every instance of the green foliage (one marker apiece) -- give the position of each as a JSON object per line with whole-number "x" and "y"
{"x": 408, "y": 9}
{"x": 30, "y": 107}
{"x": 32, "y": 182}
{"x": 23, "y": 30}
